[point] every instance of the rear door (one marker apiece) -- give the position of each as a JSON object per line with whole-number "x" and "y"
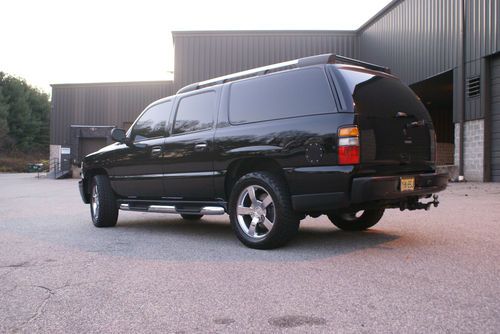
{"x": 189, "y": 150}
{"x": 396, "y": 131}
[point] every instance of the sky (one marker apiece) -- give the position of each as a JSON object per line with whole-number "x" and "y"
{"x": 74, "y": 41}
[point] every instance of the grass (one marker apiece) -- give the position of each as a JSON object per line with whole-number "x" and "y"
{"x": 16, "y": 162}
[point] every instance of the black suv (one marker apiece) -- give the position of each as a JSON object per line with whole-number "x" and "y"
{"x": 318, "y": 135}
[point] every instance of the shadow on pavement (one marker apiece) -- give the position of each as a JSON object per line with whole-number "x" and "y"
{"x": 209, "y": 240}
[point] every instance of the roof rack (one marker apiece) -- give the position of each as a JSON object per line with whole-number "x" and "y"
{"x": 328, "y": 58}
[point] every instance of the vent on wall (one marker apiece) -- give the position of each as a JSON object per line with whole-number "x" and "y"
{"x": 473, "y": 87}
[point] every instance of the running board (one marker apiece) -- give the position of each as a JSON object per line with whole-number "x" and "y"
{"x": 206, "y": 210}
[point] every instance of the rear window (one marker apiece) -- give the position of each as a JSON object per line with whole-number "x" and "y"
{"x": 381, "y": 95}
{"x": 281, "y": 95}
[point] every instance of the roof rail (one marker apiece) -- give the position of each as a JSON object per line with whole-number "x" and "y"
{"x": 328, "y": 58}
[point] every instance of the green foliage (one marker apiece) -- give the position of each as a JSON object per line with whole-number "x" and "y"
{"x": 24, "y": 116}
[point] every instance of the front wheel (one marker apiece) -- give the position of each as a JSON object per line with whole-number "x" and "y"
{"x": 103, "y": 207}
{"x": 357, "y": 220}
{"x": 261, "y": 212}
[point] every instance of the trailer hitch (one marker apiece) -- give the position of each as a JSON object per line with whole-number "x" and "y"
{"x": 414, "y": 204}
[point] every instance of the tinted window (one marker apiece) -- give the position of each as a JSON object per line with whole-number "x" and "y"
{"x": 153, "y": 122}
{"x": 195, "y": 113}
{"x": 295, "y": 93}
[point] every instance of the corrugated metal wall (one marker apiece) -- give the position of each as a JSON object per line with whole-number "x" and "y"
{"x": 416, "y": 38}
{"x": 483, "y": 34}
{"x": 421, "y": 38}
{"x": 204, "y": 55}
{"x": 100, "y": 104}
{"x": 482, "y": 39}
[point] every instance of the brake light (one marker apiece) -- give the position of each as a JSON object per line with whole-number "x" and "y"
{"x": 348, "y": 150}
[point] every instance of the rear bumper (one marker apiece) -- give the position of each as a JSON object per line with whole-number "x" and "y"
{"x": 367, "y": 189}
{"x": 371, "y": 189}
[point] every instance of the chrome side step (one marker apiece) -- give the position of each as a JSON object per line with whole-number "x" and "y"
{"x": 206, "y": 210}
{"x": 212, "y": 210}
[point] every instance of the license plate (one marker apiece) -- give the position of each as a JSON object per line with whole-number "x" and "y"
{"x": 407, "y": 184}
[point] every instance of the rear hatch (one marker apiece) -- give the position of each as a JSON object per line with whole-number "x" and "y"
{"x": 396, "y": 131}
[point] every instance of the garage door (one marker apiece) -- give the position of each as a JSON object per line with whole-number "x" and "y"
{"x": 495, "y": 114}
{"x": 89, "y": 145}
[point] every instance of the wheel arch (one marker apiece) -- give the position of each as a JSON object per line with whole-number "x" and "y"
{"x": 243, "y": 166}
{"x": 87, "y": 180}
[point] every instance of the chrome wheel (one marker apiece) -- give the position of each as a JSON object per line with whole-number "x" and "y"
{"x": 95, "y": 202}
{"x": 256, "y": 212}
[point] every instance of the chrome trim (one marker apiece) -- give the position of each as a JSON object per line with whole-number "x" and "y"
{"x": 158, "y": 176}
{"x": 195, "y": 174}
{"x": 206, "y": 210}
{"x": 145, "y": 176}
{"x": 162, "y": 209}
{"x": 212, "y": 210}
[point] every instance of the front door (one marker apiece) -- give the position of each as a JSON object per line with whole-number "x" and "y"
{"x": 137, "y": 168}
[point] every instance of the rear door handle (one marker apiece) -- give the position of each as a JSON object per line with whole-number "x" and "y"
{"x": 156, "y": 151}
{"x": 201, "y": 147}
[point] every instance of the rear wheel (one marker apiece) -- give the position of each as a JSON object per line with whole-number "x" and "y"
{"x": 356, "y": 220}
{"x": 103, "y": 207}
{"x": 191, "y": 217}
{"x": 261, "y": 212}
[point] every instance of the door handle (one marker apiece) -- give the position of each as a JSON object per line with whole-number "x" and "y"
{"x": 201, "y": 147}
{"x": 156, "y": 151}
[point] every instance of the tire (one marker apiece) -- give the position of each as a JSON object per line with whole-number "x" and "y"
{"x": 261, "y": 212}
{"x": 103, "y": 207}
{"x": 349, "y": 221}
{"x": 191, "y": 217}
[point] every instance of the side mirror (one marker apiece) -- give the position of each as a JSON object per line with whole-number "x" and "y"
{"x": 119, "y": 135}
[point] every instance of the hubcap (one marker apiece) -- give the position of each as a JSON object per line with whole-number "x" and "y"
{"x": 95, "y": 202}
{"x": 256, "y": 212}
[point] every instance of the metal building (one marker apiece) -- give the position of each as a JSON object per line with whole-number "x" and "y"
{"x": 83, "y": 115}
{"x": 448, "y": 51}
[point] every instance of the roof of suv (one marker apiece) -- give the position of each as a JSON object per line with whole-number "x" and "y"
{"x": 328, "y": 58}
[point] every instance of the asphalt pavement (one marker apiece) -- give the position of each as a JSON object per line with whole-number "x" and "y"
{"x": 434, "y": 271}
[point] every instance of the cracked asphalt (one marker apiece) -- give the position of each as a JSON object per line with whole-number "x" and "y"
{"x": 414, "y": 272}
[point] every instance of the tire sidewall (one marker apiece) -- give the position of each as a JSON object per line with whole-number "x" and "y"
{"x": 108, "y": 209}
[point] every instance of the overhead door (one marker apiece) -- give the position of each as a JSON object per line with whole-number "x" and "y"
{"x": 90, "y": 145}
{"x": 495, "y": 119}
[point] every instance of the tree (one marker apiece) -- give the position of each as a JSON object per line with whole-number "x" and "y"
{"x": 24, "y": 116}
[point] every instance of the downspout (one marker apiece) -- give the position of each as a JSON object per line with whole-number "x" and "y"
{"x": 461, "y": 74}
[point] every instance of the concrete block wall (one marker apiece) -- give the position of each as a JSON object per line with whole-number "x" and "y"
{"x": 473, "y": 149}
{"x": 55, "y": 153}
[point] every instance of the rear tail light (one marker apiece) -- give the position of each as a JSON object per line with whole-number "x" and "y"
{"x": 348, "y": 151}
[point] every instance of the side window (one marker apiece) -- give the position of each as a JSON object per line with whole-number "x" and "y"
{"x": 153, "y": 122}
{"x": 281, "y": 95}
{"x": 195, "y": 113}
